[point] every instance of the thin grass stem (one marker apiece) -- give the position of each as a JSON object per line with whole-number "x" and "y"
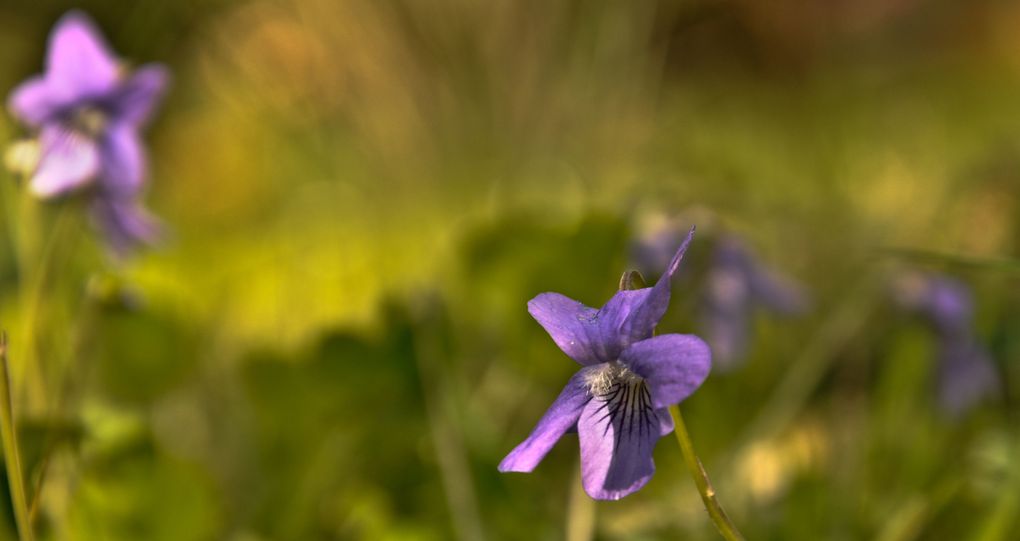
{"x": 12, "y": 457}
{"x": 715, "y": 511}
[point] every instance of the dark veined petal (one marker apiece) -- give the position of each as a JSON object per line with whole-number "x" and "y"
{"x": 617, "y": 432}
{"x": 68, "y": 160}
{"x": 571, "y": 324}
{"x": 78, "y": 63}
{"x": 136, "y": 99}
{"x": 558, "y": 420}
{"x": 31, "y": 102}
{"x": 123, "y": 156}
{"x": 673, "y": 366}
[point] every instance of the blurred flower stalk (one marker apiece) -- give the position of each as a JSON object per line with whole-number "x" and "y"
{"x": 12, "y": 455}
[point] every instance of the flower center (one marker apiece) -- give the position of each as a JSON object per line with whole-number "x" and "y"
{"x": 609, "y": 377}
{"x": 623, "y": 405}
{"x": 88, "y": 120}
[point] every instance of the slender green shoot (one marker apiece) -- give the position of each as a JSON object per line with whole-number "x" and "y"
{"x": 715, "y": 511}
{"x": 12, "y": 458}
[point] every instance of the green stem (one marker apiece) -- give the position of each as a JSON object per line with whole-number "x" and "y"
{"x": 33, "y": 284}
{"x": 580, "y": 512}
{"x": 715, "y": 511}
{"x": 12, "y": 459}
{"x": 804, "y": 374}
{"x": 454, "y": 472}
{"x": 73, "y": 373}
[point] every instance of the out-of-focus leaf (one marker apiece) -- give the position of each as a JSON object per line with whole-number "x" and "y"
{"x": 142, "y": 354}
{"x": 149, "y": 497}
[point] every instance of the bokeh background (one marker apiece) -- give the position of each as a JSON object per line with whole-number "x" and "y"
{"x": 363, "y": 195}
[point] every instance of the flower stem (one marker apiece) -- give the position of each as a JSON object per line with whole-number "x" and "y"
{"x": 73, "y": 372}
{"x": 715, "y": 511}
{"x": 447, "y": 440}
{"x": 808, "y": 369}
{"x": 12, "y": 459}
{"x": 33, "y": 278}
{"x": 580, "y": 512}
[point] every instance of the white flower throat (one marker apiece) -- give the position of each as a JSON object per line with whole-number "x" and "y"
{"x": 624, "y": 403}
{"x": 609, "y": 376}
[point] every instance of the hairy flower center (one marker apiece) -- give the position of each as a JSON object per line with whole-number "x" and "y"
{"x": 609, "y": 376}
{"x": 90, "y": 121}
{"x": 623, "y": 404}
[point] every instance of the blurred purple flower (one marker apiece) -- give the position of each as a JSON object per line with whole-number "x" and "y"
{"x": 617, "y": 401}
{"x": 737, "y": 284}
{"x": 651, "y": 249}
{"x": 125, "y": 223}
{"x": 87, "y": 110}
{"x": 944, "y": 302}
{"x": 966, "y": 372}
{"x": 966, "y": 375}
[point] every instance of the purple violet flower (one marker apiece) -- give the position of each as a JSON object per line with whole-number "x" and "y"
{"x": 946, "y": 303}
{"x": 966, "y": 372}
{"x": 87, "y": 111}
{"x": 966, "y": 375}
{"x": 617, "y": 401}
{"x": 737, "y": 284}
{"x": 651, "y": 249}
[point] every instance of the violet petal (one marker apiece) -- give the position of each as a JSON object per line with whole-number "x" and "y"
{"x": 78, "y": 63}
{"x": 591, "y": 336}
{"x": 558, "y": 419}
{"x": 125, "y": 224}
{"x": 673, "y": 366}
{"x": 31, "y": 102}
{"x": 124, "y": 166}
{"x": 135, "y": 101}
{"x": 68, "y": 160}
{"x": 645, "y": 311}
{"x": 727, "y": 331}
{"x": 570, "y": 324}
{"x": 617, "y": 434}
{"x": 949, "y": 304}
{"x": 967, "y": 375}
{"x": 777, "y": 293}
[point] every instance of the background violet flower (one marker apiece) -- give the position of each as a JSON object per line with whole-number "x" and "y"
{"x": 617, "y": 401}
{"x": 737, "y": 284}
{"x": 654, "y": 241}
{"x": 966, "y": 372}
{"x": 87, "y": 111}
{"x": 946, "y": 303}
